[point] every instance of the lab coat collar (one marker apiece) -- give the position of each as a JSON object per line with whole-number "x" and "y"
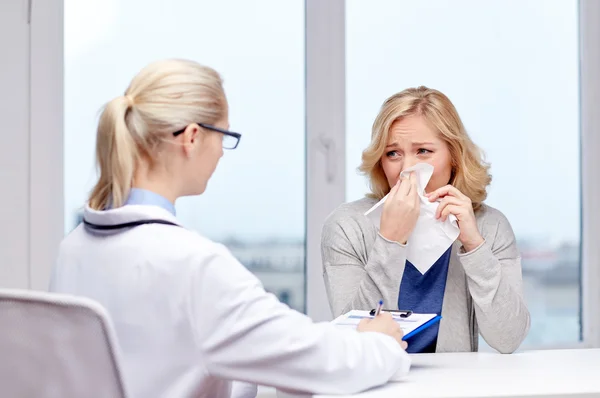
{"x": 126, "y": 214}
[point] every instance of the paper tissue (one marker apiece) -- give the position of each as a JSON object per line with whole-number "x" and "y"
{"x": 430, "y": 237}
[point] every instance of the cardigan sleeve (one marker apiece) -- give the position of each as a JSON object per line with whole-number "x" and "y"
{"x": 495, "y": 282}
{"x": 355, "y": 279}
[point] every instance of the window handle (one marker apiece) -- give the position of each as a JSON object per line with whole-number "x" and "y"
{"x": 327, "y": 146}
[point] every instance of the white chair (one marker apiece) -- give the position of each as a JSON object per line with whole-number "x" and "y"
{"x": 53, "y": 345}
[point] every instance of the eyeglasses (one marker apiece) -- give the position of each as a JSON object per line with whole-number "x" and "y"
{"x": 230, "y": 139}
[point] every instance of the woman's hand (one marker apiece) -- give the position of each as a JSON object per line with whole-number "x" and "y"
{"x": 456, "y": 203}
{"x": 400, "y": 210}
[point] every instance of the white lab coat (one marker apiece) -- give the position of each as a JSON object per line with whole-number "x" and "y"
{"x": 189, "y": 317}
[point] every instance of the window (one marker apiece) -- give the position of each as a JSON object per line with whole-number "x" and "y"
{"x": 511, "y": 69}
{"x": 261, "y": 59}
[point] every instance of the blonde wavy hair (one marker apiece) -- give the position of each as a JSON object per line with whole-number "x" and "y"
{"x": 470, "y": 172}
{"x": 164, "y": 97}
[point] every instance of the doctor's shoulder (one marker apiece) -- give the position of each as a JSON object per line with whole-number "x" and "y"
{"x": 214, "y": 256}
{"x": 199, "y": 246}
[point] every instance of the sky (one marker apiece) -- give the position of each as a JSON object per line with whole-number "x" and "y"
{"x": 510, "y": 68}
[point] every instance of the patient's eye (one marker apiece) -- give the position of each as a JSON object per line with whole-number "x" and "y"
{"x": 423, "y": 151}
{"x": 392, "y": 154}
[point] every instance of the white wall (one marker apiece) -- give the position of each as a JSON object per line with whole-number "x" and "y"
{"x": 46, "y": 144}
{"x": 14, "y": 144}
{"x": 31, "y": 110}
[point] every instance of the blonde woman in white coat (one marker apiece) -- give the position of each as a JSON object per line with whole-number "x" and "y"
{"x": 188, "y": 316}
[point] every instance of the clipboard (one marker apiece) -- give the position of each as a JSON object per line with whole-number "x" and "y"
{"x": 406, "y": 314}
{"x": 424, "y": 326}
{"x": 410, "y": 322}
{"x": 402, "y": 313}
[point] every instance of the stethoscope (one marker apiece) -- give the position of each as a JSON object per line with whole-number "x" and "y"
{"x": 131, "y": 224}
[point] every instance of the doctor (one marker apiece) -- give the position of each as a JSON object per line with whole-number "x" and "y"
{"x": 188, "y": 316}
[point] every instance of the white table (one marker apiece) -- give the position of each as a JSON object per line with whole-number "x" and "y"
{"x": 550, "y": 373}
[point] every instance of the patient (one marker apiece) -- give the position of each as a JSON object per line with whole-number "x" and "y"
{"x": 477, "y": 284}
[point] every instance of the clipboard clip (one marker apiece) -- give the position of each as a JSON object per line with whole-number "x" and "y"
{"x": 402, "y": 313}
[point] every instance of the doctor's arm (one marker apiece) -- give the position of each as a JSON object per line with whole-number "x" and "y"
{"x": 246, "y": 334}
{"x": 495, "y": 283}
{"x": 239, "y": 389}
{"x": 353, "y": 279}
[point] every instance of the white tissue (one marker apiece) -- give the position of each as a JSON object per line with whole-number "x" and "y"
{"x": 431, "y": 237}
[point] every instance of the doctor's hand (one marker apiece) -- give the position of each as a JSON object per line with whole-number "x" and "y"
{"x": 455, "y": 202}
{"x": 383, "y": 323}
{"x": 400, "y": 210}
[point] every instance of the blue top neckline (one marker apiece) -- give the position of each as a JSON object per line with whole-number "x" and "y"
{"x": 138, "y": 196}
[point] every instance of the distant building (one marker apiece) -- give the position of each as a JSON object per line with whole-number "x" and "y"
{"x": 280, "y": 266}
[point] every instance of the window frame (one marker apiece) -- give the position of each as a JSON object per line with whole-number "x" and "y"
{"x": 589, "y": 55}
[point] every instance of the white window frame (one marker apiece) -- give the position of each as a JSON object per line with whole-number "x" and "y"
{"x": 325, "y": 136}
{"x": 589, "y": 55}
{"x": 325, "y": 149}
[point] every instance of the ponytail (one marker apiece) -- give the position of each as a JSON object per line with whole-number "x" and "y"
{"x": 116, "y": 155}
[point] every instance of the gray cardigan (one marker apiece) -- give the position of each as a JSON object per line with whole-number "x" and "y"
{"x": 484, "y": 288}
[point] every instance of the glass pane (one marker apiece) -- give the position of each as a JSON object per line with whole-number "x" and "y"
{"x": 255, "y": 200}
{"x": 511, "y": 69}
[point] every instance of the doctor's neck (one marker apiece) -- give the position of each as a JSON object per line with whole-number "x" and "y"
{"x": 156, "y": 180}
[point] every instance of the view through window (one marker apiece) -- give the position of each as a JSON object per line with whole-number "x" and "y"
{"x": 255, "y": 201}
{"x": 511, "y": 68}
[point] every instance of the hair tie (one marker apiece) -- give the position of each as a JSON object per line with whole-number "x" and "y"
{"x": 130, "y": 99}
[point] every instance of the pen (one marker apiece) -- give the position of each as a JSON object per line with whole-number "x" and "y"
{"x": 379, "y": 307}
